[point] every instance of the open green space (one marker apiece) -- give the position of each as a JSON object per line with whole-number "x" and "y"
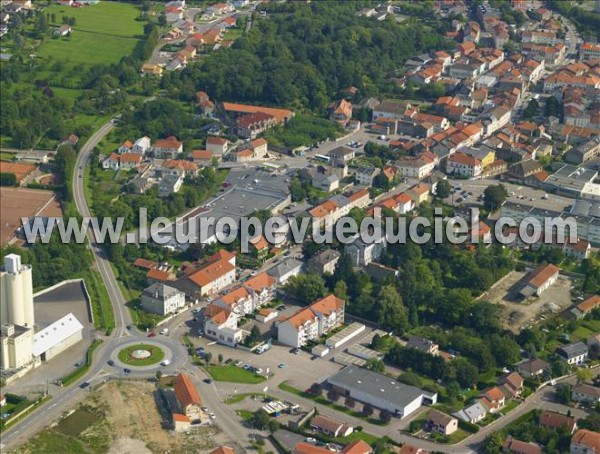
{"x": 102, "y": 34}
{"x": 156, "y": 355}
{"x": 233, "y": 374}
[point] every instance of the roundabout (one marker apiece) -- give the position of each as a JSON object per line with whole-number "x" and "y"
{"x": 141, "y": 354}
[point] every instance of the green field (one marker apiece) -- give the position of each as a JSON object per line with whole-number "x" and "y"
{"x": 234, "y": 374}
{"x": 156, "y": 355}
{"x": 102, "y": 34}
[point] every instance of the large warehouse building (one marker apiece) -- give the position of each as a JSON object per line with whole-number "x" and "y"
{"x": 380, "y": 391}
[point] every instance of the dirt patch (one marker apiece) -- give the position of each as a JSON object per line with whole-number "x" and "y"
{"x": 126, "y": 417}
{"x": 20, "y": 170}
{"x": 518, "y": 313}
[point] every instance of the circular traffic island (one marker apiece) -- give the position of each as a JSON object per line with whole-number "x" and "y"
{"x": 141, "y": 355}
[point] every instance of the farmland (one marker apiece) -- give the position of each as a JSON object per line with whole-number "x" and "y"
{"x": 102, "y": 35}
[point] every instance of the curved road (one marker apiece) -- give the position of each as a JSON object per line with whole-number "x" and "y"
{"x": 64, "y": 399}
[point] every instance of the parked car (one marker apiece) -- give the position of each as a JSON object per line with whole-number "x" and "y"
{"x": 208, "y": 381}
{"x": 126, "y": 371}
{"x": 84, "y": 385}
{"x": 111, "y": 362}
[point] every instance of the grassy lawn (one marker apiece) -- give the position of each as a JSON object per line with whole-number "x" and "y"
{"x": 457, "y": 436}
{"x": 510, "y": 406}
{"x": 245, "y": 414}
{"x": 104, "y": 317}
{"x": 234, "y": 374}
{"x": 4, "y": 156}
{"x": 323, "y": 401}
{"x": 358, "y": 435}
{"x": 102, "y": 34}
{"x": 156, "y": 355}
{"x": 233, "y": 34}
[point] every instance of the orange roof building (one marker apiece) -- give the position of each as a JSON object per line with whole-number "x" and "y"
{"x": 187, "y": 395}
{"x": 540, "y": 279}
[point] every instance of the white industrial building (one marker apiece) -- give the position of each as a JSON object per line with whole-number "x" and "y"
{"x": 380, "y": 391}
{"x": 20, "y": 346}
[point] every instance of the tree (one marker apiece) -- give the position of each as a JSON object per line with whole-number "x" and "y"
{"x": 385, "y": 416}
{"x": 466, "y": 373}
{"x": 158, "y": 375}
{"x": 273, "y": 426}
{"x": 162, "y": 20}
{"x": 584, "y": 375}
{"x": 391, "y": 311}
{"x": 350, "y": 402}
{"x": 8, "y": 179}
{"x": 333, "y": 394}
{"x": 367, "y": 410}
{"x": 306, "y": 287}
{"x": 494, "y": 197}
{"x": 254, "y": 337}
{"x": 207, "y": 357}
{"x": 376, "y": 365}
{"x": 260, "y": 419}
{"x": 531, "y": 110}
{"x": 220, "y": 358}
{"x": 559, "y": 368}
{"x": 341, "y": 290}
{"x": 563, "y": 394}
{"x": 443, "y": 189}
{"x": 316, "y": 389}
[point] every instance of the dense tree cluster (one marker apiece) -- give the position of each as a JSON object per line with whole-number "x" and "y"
{"x": 305, "y": 54}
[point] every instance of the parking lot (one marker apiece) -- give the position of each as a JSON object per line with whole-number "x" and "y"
{"x": 474, "y": 189}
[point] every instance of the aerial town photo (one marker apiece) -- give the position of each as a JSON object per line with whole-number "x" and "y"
{"x": 300, "y": 226}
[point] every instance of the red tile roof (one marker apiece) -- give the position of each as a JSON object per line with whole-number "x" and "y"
{"x": 541, "y": 274}
{"x": 185, "y": 391}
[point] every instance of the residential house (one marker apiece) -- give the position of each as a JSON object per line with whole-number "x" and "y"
{"x": 188, "y": 399}
{"x": 173, "y": 13}
{"x": 415, "y": 167}
{"x": 111, "y": 162}
{"x": 162, "y": 300}
{"x": 216, "y": 145}
{"x": 557, "y": 421}
{"x": 285, "y": 269}
{"x": 361, "y": 253}
{"x": 494, "y": 399}
{"x": 524, "y": 169}
{"x": 441, "y": 423}
{"x": 259, "y": 247}
{"x": 588, "y": 305}
{"x": 201, "y": 157}
{"x": 341, "y": 155}
{"x": 169, "y": 147}
{"x": 514, "y": 446}
{"x": 585, "y": 442}
{"x": 512, "y": 383}
{"x": 473, "y": 413}
{"x": 419, "y": 193}
{"x": 311, "y": 322}
{"x": 210, "y": 276}
{"x": 221, "y": 324}
{"x": 324, "y": 262}
{"x": 326, "y": 182}
{"x": 366, "y": 175}
{"x": 391, "y": 109}
{"x": 340, "y": 112}
{"x": 330, "y": 427}
{"x": 540, "y": 280}
{"x": 72, "y": 140}
{"x": 582, "y": 392}
{"x": 141, "y": 145}
{"x": 125, "y": 147}
{"x": 464, "y": 165}
{"x": 262, "y": 288}
{"x": 170, "y": 184}
{"x": 179, "y": 167}
{"x": 574, "y": 354}
{"x": 251, "y": 125}
{"x": 423, "y": 345}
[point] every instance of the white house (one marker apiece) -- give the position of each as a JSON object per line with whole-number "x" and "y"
{"x": 464, "y": 165}
{"x": 221, "y": 324}
{"x": 162, "y": 299}
{"x": 141, "y": 146}
{"x": 540, "y": 280}
{"x": 573, "y": 354}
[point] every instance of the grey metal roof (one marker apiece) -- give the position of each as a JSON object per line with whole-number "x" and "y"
{"x": 377, "y": 385}
{"x": 572, "y": 350}
{"x": 284, "y": 267}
